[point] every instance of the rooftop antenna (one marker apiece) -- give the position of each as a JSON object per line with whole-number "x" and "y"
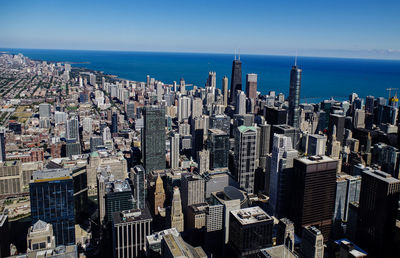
{"x": 239, "y": 54}
{"x": 295, "y": 59}
{"x": 235, "y": 53}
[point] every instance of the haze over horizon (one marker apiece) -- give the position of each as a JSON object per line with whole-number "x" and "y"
{"x": 357, "y": 29}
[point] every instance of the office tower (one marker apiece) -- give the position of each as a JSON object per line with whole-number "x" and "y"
{"x": 159, "y": 91}
{"x": 11, "y": 178}
{"x": 72, "y": 148}
{"x": 212, "y": 79}
{"x": 154, "y": 138}
{"x": 148, "y": 81}
{"x": 40, "y": 236}
{"x": 388, "y": 157}
{"x": 218, "y": 145}
{"x": 377, "y": 212}
{"x": 130, "y": 109}
{"x": 338, "y": 121}
{"x": 198, "y": 127}
{"x": 72, "y": 129}
{"x": 129, "y": 231}
{"x": 203, "y": 161}
{"x": 196, "y": 216}
{"x": 182, "y": 86}
{"x": 44, "y": 110}
{"x": 289, "y": 131}
{"x": 250, "y": 230}
{"x": 282, "y": 160}
{"x": 153, "y": 242}
{"x": 251, "y": 85}
{"x": 176, "y": 211}
{"x": 221, "y": 122}
{"x": 369, "y": 104}
{"x": 159, "y": 195}
{"x": 15, "y": 127}
{"x": 95, "y": 141}
{"x": 174, "y": 150}
{"x": 359, "y": 118}
{"x": 316, "y": 145}
{"x": 245, "y": 156}
{"x": 274, "y": 115}
{"x": 313, "y": 193}
{"x": 2, "y": 144}
{"x": 285, "y": 233}
{"x": 347, "y": 191}
{"x": 265, "y": 137}
{"x": 184, "y": 108}
{"x": 114, "y": 123}
{"x": 230, "y": 202}
{"x": 118, "y": 197}
{"x": 241, "y": 103}
{"x": 106, "y": 134}
{"x": 197, "y": 107}
{"x": 333, "y": 147}
{"x": 139, "y": 183}
{"x": 236, "y": 80}
{"x": 173, "y": 246}
{"x": 225, "y": 90}
{"x": 192, "y": 190}
{"x": 52, "y": 201}
{"x": 294, "y": 97}
{"x": 312, "y": 242}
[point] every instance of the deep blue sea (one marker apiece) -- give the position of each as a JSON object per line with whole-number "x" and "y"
{"x": 322, "y": 78}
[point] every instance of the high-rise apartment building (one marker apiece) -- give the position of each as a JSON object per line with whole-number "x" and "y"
{"x": 294, "y": 97}
{"x": 44, "y": 110}
{"x": 153, "y": 138}
{"x": 174, "y": 150}
{"x": 245, "y": 156}
{"x": 251, "y": 85}
{"x": 212, "y": 79}
{"x": 72, "y": 129}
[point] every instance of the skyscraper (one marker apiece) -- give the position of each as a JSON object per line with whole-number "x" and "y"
{"x": 72, "y": 129}
{"x": 159, "y": 195}
{"x": 153, "y": 138}
{"x": 245, "y": 156}
{"x": 139, "y": 186}
{"x": 250, "y": 230}
{"x": 241, "y": 103}
{"x": 236, "y": 79}
{"x": 212, "y": 79}
{"x": 251, "y": 85}
{"x": 114, "y": 123}
{"x": 313, "y": 193}
{"x": 225, "y": 90}
{"x": 376, "y": 224}
{"x": 2, "y": 144}
{"x": 44, "y": 110}
{"x": 176, "y": 211}
{"x": 174, "y": 150}
{"x": 218, "y": 145}
{"x": 184, "y": 108}
{"x": 282, "y": 159}
{"x": 294, "y": 97}
{"x": 52, "y": 200}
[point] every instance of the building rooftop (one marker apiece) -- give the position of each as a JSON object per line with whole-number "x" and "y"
{"x": 51, "y": 174}
{"x": 244, "y": 129}
{"x": 158, "y": 236}
{"x": 117, "y": 186}
{"x": 381, "y": 175}
{"x": 316, "y": 159}
{"x": 217, "y": 131}
{"x": 251, "y": 215}
{"x": 198, "y": 208}
{"x": 277, "y": 252}
{"x": 131, "y": 216}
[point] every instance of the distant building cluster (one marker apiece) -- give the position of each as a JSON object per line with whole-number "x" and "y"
{"x": 94, "y": 165}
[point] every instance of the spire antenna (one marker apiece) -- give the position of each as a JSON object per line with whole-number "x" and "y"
{"x": 235, "y": 53}
{"x": 239, "y": 54}
{"x": 295, "y": 59}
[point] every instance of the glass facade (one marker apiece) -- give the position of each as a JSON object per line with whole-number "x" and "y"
{"x": 53, "y": 202}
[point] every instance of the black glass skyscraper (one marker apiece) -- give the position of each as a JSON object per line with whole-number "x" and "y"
{"x": 236, "y": 80}
{"x": 52, "y": 200}
{"x": 114, "y": 123}
{"x": 153, "y": 147}
{"x": 294, "y": 96}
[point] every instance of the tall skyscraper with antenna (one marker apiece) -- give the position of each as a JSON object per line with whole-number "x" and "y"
{"x": 294, "y": 95}
{"x": 236, "y": 79}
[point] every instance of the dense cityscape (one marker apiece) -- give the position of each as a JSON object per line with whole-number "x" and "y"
{"x": 92, "y": 165}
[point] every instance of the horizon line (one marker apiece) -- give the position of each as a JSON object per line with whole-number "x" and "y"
{"x": 211, "y": 52}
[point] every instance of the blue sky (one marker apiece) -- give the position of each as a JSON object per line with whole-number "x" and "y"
{"x": 355, "y": 28}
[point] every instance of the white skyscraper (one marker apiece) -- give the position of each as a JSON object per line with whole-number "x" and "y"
{"x": 184, "y": 108}
{"x": 197, "y": 107}
{"x": 73, "y": 129}
{"x": 60, "y": 117}
{"x": 241, "y": 103}
{"x": 44, "y": 110}
{"x": 87, "y": 125}
{"x": 174, "y": 150}
{"x": 282, "y": 149}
